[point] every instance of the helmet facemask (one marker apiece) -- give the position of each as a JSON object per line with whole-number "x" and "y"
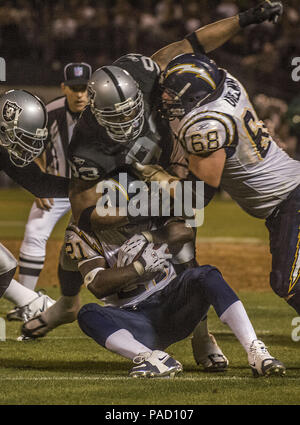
{"x": 123, "y": 121}
{"x": 171, "y": 103}
{"x": 23, "y": 146}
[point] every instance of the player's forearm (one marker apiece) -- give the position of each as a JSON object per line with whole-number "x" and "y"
{"x": 175, "y": 234}
{"x": 109, "y": 281}
{"x": 40, "y": 184}
{"x": 216, "y": 34}
{"x": 209, "y": 38}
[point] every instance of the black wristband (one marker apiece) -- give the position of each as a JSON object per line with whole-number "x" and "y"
{"x": 84, "y": 222}
{"x": 194, "y": 42}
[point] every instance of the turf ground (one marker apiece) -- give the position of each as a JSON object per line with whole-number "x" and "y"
{"x": 67, "y": 368}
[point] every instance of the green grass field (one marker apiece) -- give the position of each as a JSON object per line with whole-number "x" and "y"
{"x": 68, "y": 368}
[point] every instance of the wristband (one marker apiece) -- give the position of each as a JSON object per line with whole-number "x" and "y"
{"x": 194, "y": 42}
{"x": 89, "y": 277}
{"x": 148, "y": 236}
{"x": 139, "y": 268}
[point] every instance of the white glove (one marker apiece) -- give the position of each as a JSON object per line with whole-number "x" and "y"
{"x": 152, "y": 260}
{"x": 130, "y": 249}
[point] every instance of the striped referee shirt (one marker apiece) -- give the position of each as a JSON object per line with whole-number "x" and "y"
{"x": 61, "y": 122}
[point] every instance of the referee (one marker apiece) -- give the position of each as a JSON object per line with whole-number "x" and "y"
{"x": 63, "y": 113}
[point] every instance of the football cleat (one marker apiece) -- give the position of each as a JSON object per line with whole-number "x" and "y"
{"x": 29, "y": 334}
{"x": 24, "y": 338}
{"x": 261, "y": 361}
{"x": 157, "y": 364}
{"x": 41, "y": 303}
{"x": 207, "y": 353}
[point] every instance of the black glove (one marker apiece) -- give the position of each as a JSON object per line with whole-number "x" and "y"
{"x": 266, "y": 11}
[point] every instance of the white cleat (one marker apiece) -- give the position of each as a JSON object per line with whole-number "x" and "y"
{"x": 39, "y": 304}
{"x": 207, "y": 353}
{"x": 261, "y": 361}
{"x": 157, "y": 364}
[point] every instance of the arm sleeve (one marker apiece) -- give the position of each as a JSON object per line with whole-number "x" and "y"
{"x": 40, "y": 184}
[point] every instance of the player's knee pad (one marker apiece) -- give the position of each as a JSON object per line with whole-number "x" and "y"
{"x": 5, "y": 280}
{"x": 70, "y": 281}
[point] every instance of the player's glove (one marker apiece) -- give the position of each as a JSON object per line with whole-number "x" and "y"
{"x": 132, "y": 247}
{"x": 152, "y": 260}
{"x": 265, "y": 11}
{"x": 150, "y": 173}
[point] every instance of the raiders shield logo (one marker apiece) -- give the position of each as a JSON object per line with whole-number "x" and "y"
{"x": 10, "y": 110}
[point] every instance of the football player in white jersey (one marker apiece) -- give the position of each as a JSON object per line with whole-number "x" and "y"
{"x": 146, "y": 306}
{"x": 228, "y": 146}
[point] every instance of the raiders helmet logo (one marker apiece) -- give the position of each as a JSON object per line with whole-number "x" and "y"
{"x": 10, "y": 110}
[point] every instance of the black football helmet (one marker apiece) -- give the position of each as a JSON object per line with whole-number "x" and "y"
{"x": 188, "y": 81}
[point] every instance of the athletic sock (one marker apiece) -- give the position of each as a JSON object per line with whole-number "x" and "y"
{"x": 18, "y": 294}
{"x": 28, "y": 281}
{"x": 202, "y": 329}
{"x": 123, "y": 343}
{"x": 30, "y": 268}
{"x": 235, "y": 316}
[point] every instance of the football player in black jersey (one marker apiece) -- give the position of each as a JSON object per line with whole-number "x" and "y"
{"x": 120, "y": 125}
{"x": 23, "y": 120}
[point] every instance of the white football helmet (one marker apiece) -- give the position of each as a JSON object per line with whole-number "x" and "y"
{"x": 23, "y": 120}
{"x": 117, "y": 103}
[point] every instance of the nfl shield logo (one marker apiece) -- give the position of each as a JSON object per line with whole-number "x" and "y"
{"x": 10, "y": 110}
{"x": 78, "y": 71}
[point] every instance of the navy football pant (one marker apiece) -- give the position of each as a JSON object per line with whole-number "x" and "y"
{"x": 284, "y": 230}
{"x": 166, "y": 316}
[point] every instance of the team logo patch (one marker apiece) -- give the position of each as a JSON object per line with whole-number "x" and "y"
{"x": 10, "y": 110}
{"x": 78, "y": 71}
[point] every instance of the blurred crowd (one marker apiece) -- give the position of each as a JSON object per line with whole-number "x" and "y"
{"x": 41, "y": 36}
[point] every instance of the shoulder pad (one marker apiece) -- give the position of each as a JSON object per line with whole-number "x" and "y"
{"x": 206, "y": 132}
{"x": 134, "y": 61}
{"x": 80, "y": 245}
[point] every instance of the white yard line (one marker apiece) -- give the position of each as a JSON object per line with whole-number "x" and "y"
{"x": 122, "y": 378}
{"x": 231, "y": 240}
{"x": 59, "y": 338}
